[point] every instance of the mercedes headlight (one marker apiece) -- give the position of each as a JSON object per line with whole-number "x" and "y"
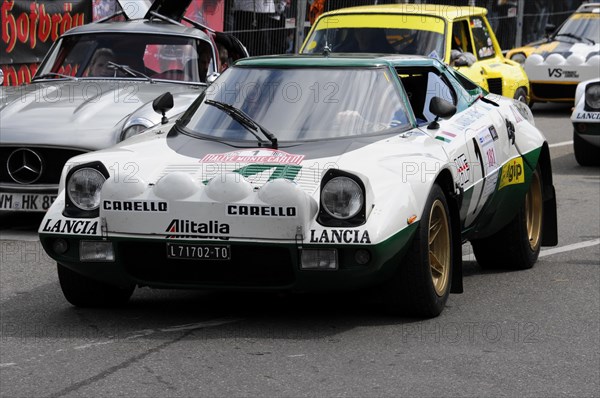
{"x": 84, "y": 188}
{"x": 592, "y": 95}
{"x": 133, "y": 130}
{"x": 342, "y": 198}
{"x": 519, "y": 57}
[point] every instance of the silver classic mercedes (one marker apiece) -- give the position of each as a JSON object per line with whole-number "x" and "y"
{"x": 95, "y": 88}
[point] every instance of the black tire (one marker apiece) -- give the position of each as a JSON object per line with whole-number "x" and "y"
{"x": 420, "y": 288}
{"x": 586, "y": 154}
{"x": 517, "y": 245}
{"x": 521, "y": 95}
{"x": 85, "y": 292}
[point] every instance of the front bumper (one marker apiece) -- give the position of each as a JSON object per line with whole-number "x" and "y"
{"x": 253, "y": 265}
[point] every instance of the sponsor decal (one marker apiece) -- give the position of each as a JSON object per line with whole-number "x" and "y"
{"x": 64, "y": 226}
{"x": 462, "y": 166}
{"x": 468, "y": 117}
{"x": 445, "y": 136}
{"x": 254, "y": 156}
{"x": 588, "y": 116}
{"x": 261, "y": 211}
{"x": 493, "y": 133}
{"x": 558, "y": 73}
{"x": 187, "y": 229}
{"x": 135, "y": 205}
{"x": 340, "y": 236}
{"x": 512, "y": 173}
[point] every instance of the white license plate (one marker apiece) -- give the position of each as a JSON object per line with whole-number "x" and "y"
{"x": 198, "y": 252}
{"x": 25, "y": 201}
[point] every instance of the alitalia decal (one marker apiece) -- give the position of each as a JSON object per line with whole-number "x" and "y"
{"x": 260, "y": 155}
{"x": 512, "y": 173}
{"x": 187, "y": 229}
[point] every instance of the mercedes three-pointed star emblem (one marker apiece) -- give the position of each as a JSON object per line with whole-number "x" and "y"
{"x": 24, "y": 166}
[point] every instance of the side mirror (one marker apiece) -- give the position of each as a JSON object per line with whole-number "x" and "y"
{"x": 549, "y": 29}
{"x": 440, "y": 108}
{"x": 162, "y": 104}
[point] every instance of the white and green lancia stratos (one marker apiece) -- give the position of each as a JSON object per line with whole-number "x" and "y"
{"x": 310, "y": 173}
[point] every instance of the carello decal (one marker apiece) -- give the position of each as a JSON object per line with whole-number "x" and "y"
{"x": 83, "y": 227}
{"x": 134, "y": 205}
{"x": 261, "y": 211}
{"x": 187, "y": 228}
{"x": 339, "y": 236}
{"x": 512, "y": 173}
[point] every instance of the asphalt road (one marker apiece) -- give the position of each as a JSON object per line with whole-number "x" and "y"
{"x": 529, "y": 333}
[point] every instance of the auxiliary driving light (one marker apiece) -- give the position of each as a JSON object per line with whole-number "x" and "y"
{"x": 60, "y": 246}
{"x": 317, "y": 259}
{"x": 93, "y": 250}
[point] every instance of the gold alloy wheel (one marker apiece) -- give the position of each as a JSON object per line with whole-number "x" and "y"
{"x": 439, "y": 247}
{"x": 534, "y": 211}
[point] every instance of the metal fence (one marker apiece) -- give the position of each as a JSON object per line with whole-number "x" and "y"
{"x": 279, "y": 26}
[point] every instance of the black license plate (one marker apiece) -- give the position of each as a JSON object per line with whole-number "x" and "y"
{"x": 185, "y": 251}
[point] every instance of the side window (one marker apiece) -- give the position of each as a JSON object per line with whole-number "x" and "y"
{"x": 421, "y": 85}
{"x": 461, "y": 37}
{"x": 481, "y": 36}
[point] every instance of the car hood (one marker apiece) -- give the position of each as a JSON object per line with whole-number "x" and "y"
{"x": 56, "y": 113}
{"x": 560, "y": 61}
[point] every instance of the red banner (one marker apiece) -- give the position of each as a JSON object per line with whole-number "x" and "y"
{"x": 29, "y": 29}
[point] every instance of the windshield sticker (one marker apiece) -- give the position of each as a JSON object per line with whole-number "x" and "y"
{"x": 254, "y": 156}
{"x": 434, "y": 54}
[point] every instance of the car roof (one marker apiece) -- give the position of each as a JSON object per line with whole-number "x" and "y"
{"x": 449, "y": 13}
{"x": 142, "y": 26}
{"x": 336, "y": 60}
{"x": 589, "y": 7}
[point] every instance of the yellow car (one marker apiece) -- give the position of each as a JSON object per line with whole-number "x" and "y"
{"x": 570, "y": 55}
{"x": 459, "y": 36}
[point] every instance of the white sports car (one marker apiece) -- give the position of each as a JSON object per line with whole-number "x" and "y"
{"x": 586, "y": 123}
{"x": 310, "y": 172}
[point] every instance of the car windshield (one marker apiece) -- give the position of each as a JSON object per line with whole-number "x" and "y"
{"x": 581, "y": 27}
{"x": 110, "y": 55}
{"x": 378, "y": 33}
{"x": 296, "y": 104}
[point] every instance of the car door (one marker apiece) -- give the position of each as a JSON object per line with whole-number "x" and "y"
{"x": 461, "y": 41}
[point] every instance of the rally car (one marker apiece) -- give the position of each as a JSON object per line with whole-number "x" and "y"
{"x": 568, "y": 56}
{"x": 586, "y": 123}
{"x": 310, "y": 172}
{"x": 94, "y": 88}
{"x": 459, "y": 36}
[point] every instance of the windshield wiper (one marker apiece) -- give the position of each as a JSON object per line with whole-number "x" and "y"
{"x": 246, "y": 121}
{"x": 131, "y": 71}
{"x": 574, "y": 36}
{"x": 53, "y": 74}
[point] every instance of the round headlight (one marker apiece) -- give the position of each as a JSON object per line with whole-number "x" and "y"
{"x": 519, "y": 57}
{"x": 592, "y": 96}
{"x": 133, "y": 130}
{"x": 84, "y": 188}
{"x": 342, "y": 197}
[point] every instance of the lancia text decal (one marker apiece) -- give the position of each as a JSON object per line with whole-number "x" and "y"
{"x": 340, "y": 236}
{"x": 83, "y": 227}
{"x": 588, "y": 116}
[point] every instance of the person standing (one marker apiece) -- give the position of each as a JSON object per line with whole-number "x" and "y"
{"x": 258, "y": 24}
